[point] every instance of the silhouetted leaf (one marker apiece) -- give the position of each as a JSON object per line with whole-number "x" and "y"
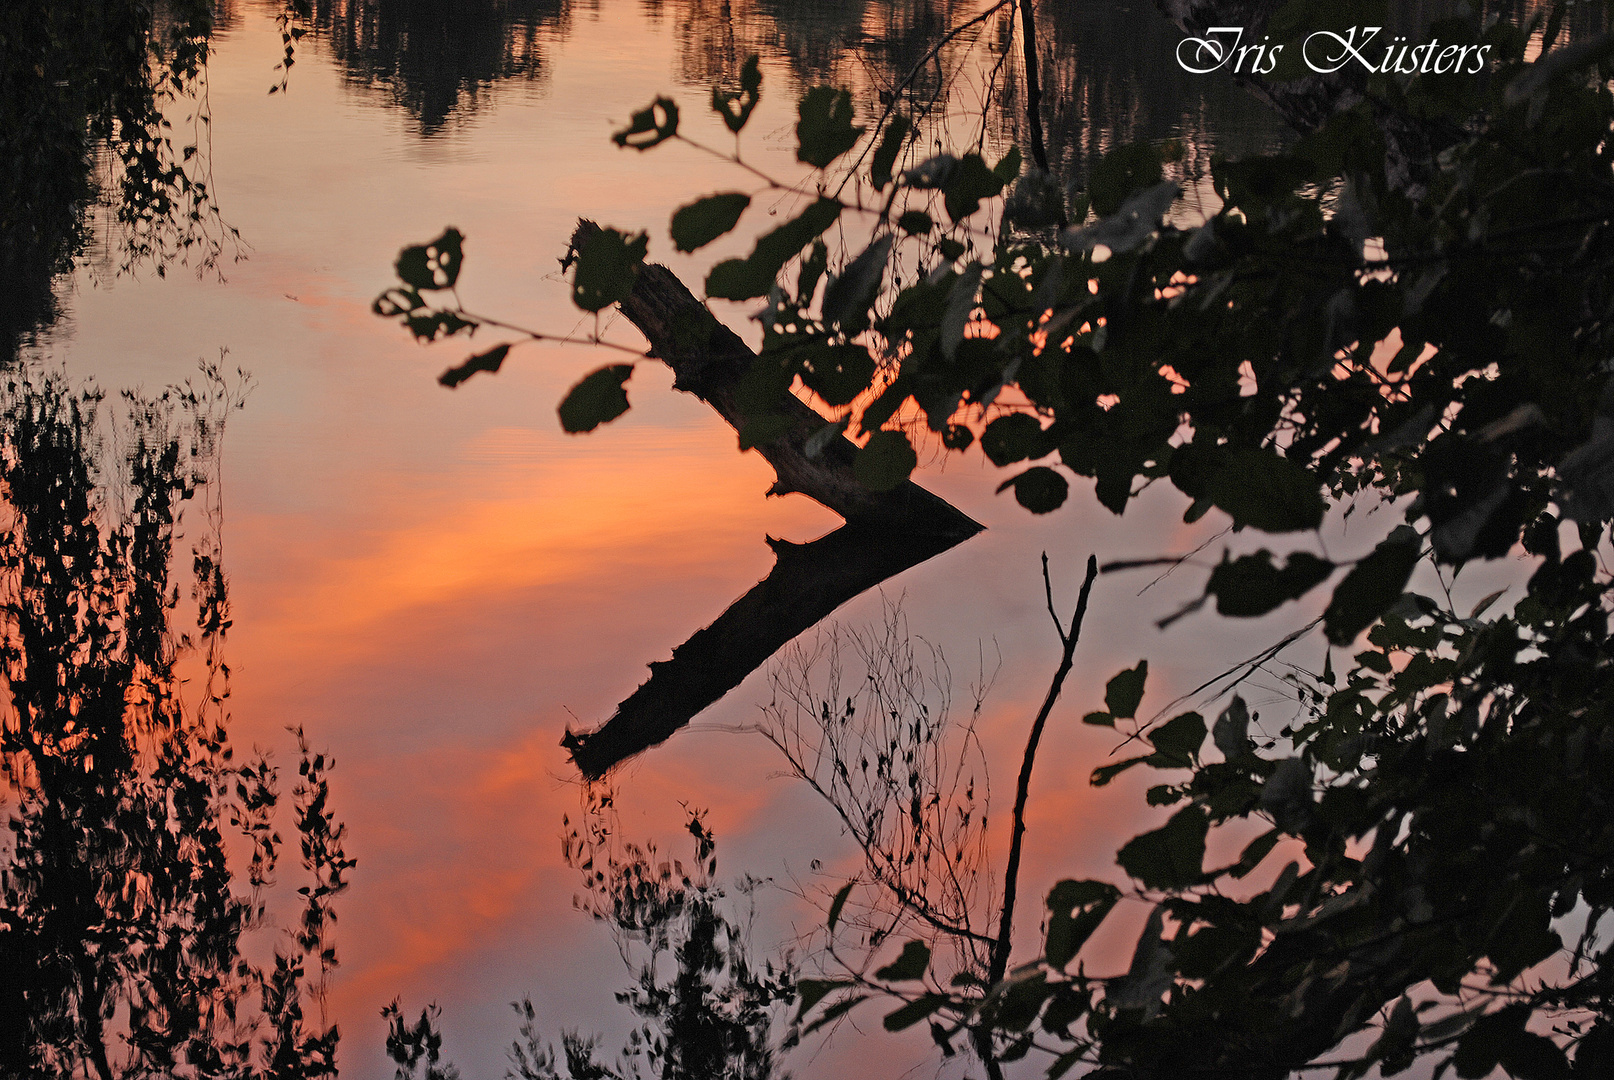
{"x": 835, "y": 1012}
{"x": 1271, "y": 493}
{"x": 1171, "y": 856}
{"x": 848, "y": 295}
{"x": 825, "y": 130}
{"x": 824, "y": 437}
{"x": 1255, "y": 851}
{"x": 1011, "y": 438}
{"x": 1251, "y": 585}
{"x": 1039, "y": 489}
{"x": 1484, "y": 604}
{"x": 1122, "y": 693}
{"x": 1150, "y": 973}
{"x": 1287, "y": 794}
{"x": 430, "y": 326}
{"x": 598, "y": 399}
{"x": 704, "y": 220}
{"x": 1481, "y": 1048}
{"x": 1371, "y": 587}
{"x": 1231, "y": 733}
{"x": 432, "y": 266}
{"x": 1194, "y": 465}
{"x": 395, "y": 302}
{"x": 967, "y": 183}
{"x": 1523, "y": 938}
{"x": 607, "y": 266}
{"x": 1008, "y": 167}
{"x": 910, "y": 965}
{"x": 1133, "y": 222}
{"x": 915, "y": 222}
{"x": 650, "y": 126}
{"x": 915, "y": 1011}
{"x": 1105, "y": 773}
{"x": 930, "y": 173}
{"x": 885, "y": 461}
{"x": 1179, "y": 738}
{"x": 885, "y": 406}
{"x": 753, "y": 276}
{"x": 1125, "y": 169}
{"x": 1035, "y": 202}
{"x": 1075, "y": 908}
{"x": 837, "y": 373}
{"x": 811, "y": 991}
{"x": 483, "y": 361}
{"x": 885, "y": 155}
{"x": 735, "y": 108}
{"x": 738, "y": 279}
{"x": 838, "y": 904}
{"x": 1573, "y": 56}
{"x": 961, "y": 303}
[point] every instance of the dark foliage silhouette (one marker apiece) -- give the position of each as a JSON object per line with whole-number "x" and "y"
{"x": 102, "y": 128}
{"x": 139, "y": 852}
{"x": 1406, "y": 311}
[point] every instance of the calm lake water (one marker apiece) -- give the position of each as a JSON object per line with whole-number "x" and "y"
{"x": 435, "y": 584}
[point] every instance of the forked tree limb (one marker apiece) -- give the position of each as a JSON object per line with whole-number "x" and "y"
{"x": 1011, "y": 873}
{"x": 885, "y": 532}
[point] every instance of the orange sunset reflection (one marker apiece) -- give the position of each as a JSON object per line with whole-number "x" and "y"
{"x": 436, "y": 585}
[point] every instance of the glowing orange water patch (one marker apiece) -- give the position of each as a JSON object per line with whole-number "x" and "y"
{"x": 688, "y": 504}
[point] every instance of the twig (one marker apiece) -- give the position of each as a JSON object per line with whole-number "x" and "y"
{"x": 1178, "y": 562}
{"x": 896, "y": 94}
{"x": 557, "y": 339}
{"x": 1048, "y": 591}
{"x": 1011, "y": 871}
{"x": 1250, "y": 666}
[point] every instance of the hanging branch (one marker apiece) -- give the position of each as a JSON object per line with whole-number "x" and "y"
{"x": 886, "y": 532}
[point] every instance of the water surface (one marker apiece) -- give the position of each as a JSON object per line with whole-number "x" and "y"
{"x": 436, "y": 584}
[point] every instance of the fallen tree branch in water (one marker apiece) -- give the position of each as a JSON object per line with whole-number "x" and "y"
{"x": 885, "y": 532}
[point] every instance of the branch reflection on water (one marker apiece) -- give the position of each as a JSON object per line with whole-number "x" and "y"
{"x": 124, "y": 922}
{"x": 1109, "y": 70}
{"x": 105, "y": 128}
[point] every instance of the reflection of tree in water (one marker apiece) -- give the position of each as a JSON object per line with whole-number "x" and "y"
{"x": 84, "y": 88}
{"x": 867, "y": 44}
{"x": 437, "y": 60}
{"x": 1110, "y": 76}
{"x": 714, "y": 1016}
{"x": 123, "y": 925}
{"x": 1108, "y": 71}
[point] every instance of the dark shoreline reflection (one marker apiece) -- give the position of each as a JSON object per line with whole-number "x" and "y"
{"x": 1108, "y": 71}
{"x": 859, "y": 43}
{"x": 1110, "y": 76}
{"x": 437, "y": 61}
{"x": 101, "y": 142}
{"x": 137, "y": 851}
